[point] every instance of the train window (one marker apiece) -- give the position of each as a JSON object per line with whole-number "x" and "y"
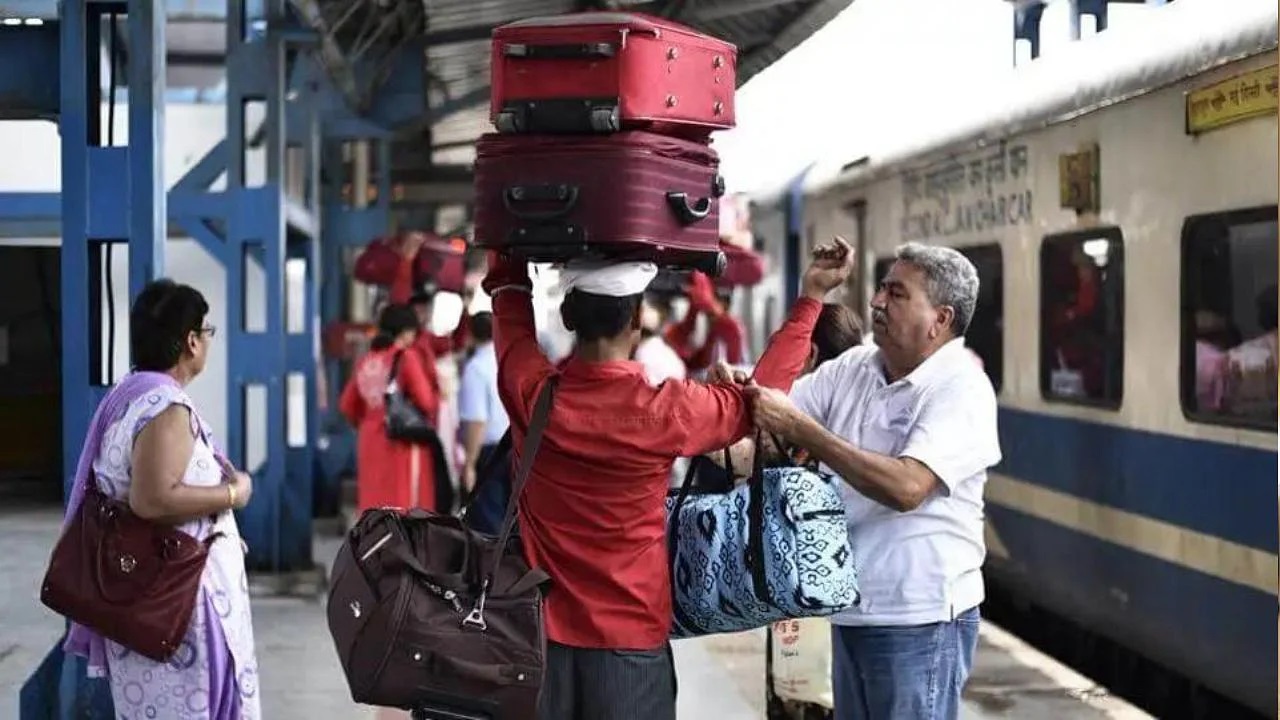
{"x": 1082, "y": 317}
{"x": 1229, "y": 318}
{"x": 985, "y": 336}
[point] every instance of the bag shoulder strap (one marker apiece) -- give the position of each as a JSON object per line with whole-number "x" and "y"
{"x": 532, "y": 441}
{"x": 395, "y": 366}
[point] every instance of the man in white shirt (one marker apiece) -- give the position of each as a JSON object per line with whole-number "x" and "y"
{"x": 910, "y": 425}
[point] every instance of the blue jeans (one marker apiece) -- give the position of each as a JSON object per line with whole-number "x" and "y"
{"x": 903, "y": 673}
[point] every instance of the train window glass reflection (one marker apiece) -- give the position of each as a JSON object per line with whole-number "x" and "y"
{"x": 985, "y": 336}
{"x": 1229, "y": 348}
{"x": 1082, "y": 317}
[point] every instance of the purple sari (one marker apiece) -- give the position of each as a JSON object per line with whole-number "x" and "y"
{"x": 85, "y": 642}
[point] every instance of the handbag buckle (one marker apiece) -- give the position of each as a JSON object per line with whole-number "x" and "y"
{"x": 475, "y": 618}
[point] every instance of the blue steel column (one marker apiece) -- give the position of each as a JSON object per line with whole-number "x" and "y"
{"x": 109, "y": 195}
{"x": 78, "y": 124}
{"x": 301, "y": 355}
{"x": 277, "y": 524}
{"x": 148, "y": 216}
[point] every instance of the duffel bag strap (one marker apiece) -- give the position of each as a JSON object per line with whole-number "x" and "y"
{"x": 537, "y": 424}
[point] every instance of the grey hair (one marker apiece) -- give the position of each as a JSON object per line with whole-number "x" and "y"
{"x": 950, "y": 279}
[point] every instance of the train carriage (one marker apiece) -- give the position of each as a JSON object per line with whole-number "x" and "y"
{"x": 1119, "y": 201}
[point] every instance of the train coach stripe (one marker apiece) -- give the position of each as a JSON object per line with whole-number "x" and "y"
{"x": 1218, "y": 489}
{"x": 1191, "y": 549}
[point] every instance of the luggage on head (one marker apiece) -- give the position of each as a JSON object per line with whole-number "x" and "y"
{"x": 431, "y": 616}
{"x": 379, "y": 262}
{"x": 632, "y": 195}
{"x": 441, "y": 263}
{"x": 602, "y": 72}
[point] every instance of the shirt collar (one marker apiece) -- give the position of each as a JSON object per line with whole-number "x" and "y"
{"x": 932, "y": 365}
{"x": 576, "y": 367}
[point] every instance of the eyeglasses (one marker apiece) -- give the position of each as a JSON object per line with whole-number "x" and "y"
{"x": 209, "y": 330}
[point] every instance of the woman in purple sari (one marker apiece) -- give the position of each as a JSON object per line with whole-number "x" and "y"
{"x": 147, "y": 445}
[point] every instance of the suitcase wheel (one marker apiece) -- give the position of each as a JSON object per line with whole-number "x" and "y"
{"x": 713, "y": 264}
{"x": 717, "y": 186}
{"x": 605, "y": 119}
{"x": 509, "y": 122}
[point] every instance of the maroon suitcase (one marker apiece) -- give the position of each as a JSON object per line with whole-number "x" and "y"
{"x": 608, "y": 71}
{"x": 632, "y": 195}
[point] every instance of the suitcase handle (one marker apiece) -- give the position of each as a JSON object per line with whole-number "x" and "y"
{"x": 577, "y": 51}
{"x": 565, "y": 194}
{"x": 688, "y": 214}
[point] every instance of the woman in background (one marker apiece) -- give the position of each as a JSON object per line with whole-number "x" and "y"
{"x": 391, "y": 473}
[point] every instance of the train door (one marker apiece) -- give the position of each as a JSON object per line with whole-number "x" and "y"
{"x": 855, "y": 291}
{"x": 30, "y": 374}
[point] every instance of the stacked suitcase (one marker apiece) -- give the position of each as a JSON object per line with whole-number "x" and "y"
{"x": 602, "y": 147}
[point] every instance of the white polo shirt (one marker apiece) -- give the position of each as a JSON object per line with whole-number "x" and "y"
{"x": 922, "y": 566}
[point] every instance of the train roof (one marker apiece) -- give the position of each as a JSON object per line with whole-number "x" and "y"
{"x": 1183, "y": 39}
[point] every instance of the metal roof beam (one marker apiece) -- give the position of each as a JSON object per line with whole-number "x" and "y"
{"x": 469, "y": 33}
{"x": 175, "y": 10}
{"x": 804, "y": 25}
{"x": 722, "y": 10}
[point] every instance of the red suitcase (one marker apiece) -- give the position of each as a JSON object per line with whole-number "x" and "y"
{"x": 630, "y": 195}
{"x": 379, "y": 262}
{"x": 441, "y": 263}
{"x": 744, "y": 267}
{"x": 608, "y": 71}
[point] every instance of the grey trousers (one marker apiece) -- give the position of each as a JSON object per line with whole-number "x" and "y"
{"x": 590, "y": 684}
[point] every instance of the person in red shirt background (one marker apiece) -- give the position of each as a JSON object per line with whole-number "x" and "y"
{"x": 593, "y": 516}
{"x": 421, "y": 298}
{"x": 725, "y": 334}
{"x": 389, "y": 472}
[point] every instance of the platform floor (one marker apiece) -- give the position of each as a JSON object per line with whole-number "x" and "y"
{"x": 720, "y": 677}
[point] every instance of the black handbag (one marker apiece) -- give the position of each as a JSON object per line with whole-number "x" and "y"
{"x": 406, "y": 422}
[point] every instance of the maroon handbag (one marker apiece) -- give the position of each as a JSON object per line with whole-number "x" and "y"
{"x": 128, "y": 579}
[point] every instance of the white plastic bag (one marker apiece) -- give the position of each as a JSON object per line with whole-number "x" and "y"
{"x": 802, "y": 661}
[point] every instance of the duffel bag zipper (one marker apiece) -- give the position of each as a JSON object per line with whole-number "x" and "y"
{"x": 815, "y": 514}
{"x": 447, "y": 595}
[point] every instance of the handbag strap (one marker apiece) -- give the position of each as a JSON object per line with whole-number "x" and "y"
{"x": 755, "y": 524}
{"x": 395, "y": 366}
{"x": 532, "y": 441}
{"x": 686, "y": 487}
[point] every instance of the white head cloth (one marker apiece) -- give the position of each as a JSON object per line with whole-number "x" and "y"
{"x": 608, "y": 279}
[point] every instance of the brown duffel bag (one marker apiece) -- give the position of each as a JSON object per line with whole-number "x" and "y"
{"x": 430, "y": 615}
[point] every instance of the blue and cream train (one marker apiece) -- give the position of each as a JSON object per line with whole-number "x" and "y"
{"x": 1119, "y": 200}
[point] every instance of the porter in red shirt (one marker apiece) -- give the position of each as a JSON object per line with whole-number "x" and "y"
{"x": 593, "y": 514}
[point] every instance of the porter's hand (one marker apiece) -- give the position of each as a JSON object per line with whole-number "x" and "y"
{"x": 773, "y": 411}
{"x": 724, "y": 373}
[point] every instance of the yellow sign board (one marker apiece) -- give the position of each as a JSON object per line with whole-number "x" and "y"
{"x": 1232, "y": 100}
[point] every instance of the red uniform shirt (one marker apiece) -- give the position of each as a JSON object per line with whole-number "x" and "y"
{"x": 593, "y": 515}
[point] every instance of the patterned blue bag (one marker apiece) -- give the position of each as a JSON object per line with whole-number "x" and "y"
{"x": 774, "y": 548}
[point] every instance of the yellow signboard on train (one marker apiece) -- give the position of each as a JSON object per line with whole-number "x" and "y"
{"x": 1232, "y": 100}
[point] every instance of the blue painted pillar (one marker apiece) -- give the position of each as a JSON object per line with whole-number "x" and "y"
{"x": 110, "y": 195}
{"x": 148, "y": 215}
{"x": 277, "y": 524}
